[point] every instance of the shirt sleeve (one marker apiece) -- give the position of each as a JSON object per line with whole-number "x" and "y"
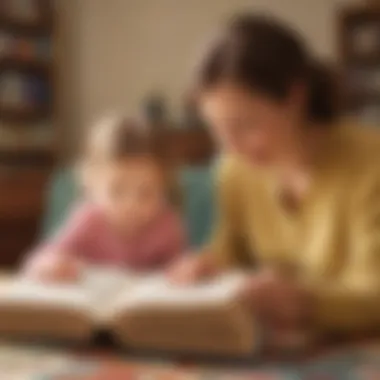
{"x": 227, "y": 247}
{"x": 353, "y": 301}
{"x": 71, "y": 239}
{"x": 172, "y": 240}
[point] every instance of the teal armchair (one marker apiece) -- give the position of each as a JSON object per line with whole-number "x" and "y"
{"x": 198, "y": 207}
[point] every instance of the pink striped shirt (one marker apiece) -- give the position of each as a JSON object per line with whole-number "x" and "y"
{"x": 89, "y": 237}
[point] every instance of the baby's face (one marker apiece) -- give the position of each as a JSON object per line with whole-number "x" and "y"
{"x": 131, "y": 192}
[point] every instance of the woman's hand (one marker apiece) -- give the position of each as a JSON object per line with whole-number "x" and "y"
{"x": 277, "y": 300}
{"x": 191, "y": 268}
{"x": 282, "y": 307}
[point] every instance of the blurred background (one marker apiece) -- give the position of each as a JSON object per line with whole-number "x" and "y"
{"x": 63, "y": 63}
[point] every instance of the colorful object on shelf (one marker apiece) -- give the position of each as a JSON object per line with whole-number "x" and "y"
{"x": 366, "y": 39}
{"x": 43, "y": 49}
{"x": 36, "y": 136}
{"x": 11, "y": 89}
{"x": 364, "y": 81}
{"x": 23, "y": 10}
{"x": 8, "y": 138}
{"x": 23, "y": 49}
{"x": 26, "y": 39}
{"x": 23, "y": 90}
{"x": 5, "y": 45}
{"x": 370, "y": 114}
{"x": 36, "y": 91}
{"x": 31, "y": 49}
{"x": 360, "y": 36}
{"x": 42, "y": 135}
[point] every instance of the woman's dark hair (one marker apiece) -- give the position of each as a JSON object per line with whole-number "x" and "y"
{"x": 268, "y": 57}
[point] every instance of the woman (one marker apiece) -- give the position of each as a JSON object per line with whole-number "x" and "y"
{"x": 298, "y": 190}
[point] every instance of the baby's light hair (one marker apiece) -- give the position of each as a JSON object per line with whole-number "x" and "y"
{"x": 116, "y": 138}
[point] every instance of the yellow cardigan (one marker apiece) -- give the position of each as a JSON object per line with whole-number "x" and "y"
{"x": 334, "y": 238}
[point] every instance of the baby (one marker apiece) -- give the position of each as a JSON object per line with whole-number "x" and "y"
{"x": 127, "y": 219}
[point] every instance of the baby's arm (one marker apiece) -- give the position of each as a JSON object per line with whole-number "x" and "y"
{"x": 171, "y": 241}
{"x": 59, "y": 259}
{"x": 52, "y": 265}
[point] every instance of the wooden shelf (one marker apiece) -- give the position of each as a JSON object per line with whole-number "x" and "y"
{"x": 24, "y": 166}
{"x": 23, "y": 115}
{"x": 37, "y": 28}
{"x": 355, "y": 93}
{"x": 27, "y": 157}
{"x": 358, "y": 14}
{"x": 38, "y": 67}
{"x": 356, "y": 102}
{"x": 363, "y": 60}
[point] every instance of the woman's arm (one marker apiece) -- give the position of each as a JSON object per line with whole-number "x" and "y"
{"x": 353, "y": 302}
{"x": 169, "y": 241}
{"x": 225, "y": 246}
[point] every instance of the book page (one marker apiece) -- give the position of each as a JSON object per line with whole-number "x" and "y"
{"x": 24, "y": 292}
{"x": 158, "y": 291}
{"x": 102, "y": 292}
{"x": 104, "y": 284}
{"x": 96, "y": 288}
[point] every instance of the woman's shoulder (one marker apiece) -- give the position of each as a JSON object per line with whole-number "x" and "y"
{"x": 359, "y": 149}
{"x": 238, "y": 172}
{"x": 231, "y": 166}
{"x": 360, "y": 136}
{"x": 238, "y": 180}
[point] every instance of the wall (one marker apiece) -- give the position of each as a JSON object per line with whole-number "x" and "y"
{"x": 124, "y": 49}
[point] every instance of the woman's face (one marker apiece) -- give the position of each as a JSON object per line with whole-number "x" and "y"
{"x": 262, "y": 130}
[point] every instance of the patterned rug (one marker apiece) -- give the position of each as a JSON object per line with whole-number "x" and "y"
{"x": 20, "y": 363}
{"x": 356, "y": 364}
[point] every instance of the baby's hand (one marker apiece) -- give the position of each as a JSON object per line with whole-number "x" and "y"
{"x": 56, "y": 268}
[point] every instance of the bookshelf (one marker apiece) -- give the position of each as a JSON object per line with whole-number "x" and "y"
{"x": 359, "y": 41}
{"x": 26, "y": 81}
{"x": 28, "y": 123}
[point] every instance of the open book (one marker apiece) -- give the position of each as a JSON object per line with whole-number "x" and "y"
{"x": 141, "y": 311}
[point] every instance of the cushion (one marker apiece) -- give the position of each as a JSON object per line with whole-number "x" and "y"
{"x": 196, "y": 183}
{"x": 61, "y": 195}
{"x": 198, "y": 202}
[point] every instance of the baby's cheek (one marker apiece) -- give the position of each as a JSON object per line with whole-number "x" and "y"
{"x": 145, "y": 213}
{"x": 152, "y": 208}
{"x": 107, "y": 204}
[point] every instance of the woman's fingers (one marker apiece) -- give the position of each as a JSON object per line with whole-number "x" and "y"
{"x": 191, "y": 269}
{"x": 254, "y": 294}
{"x": 273, "y": 299}
{"x": 185, "y": 271}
